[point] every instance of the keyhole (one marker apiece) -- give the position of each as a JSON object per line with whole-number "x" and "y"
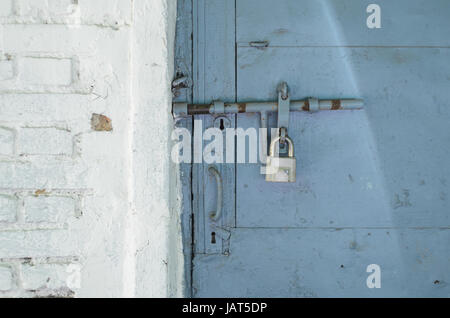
{"x": 213, "y": 238}
{"x": 221, "y": 127}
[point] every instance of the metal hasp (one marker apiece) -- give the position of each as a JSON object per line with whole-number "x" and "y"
{"x": 283, "y": 115}
{"x": 283, "y": 108}
{"x": 279, "y": 169}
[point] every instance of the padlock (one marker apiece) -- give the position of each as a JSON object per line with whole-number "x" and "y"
{"x": 281, "y": 169}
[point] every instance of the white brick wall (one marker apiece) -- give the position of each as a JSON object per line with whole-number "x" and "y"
{"x": 44, "y": 141}
{"x": 6, "y": 8}
{"x": 66, "y": 188}
{"x": 6, "y": 141}
{"x": 35, "y": 8}
{"x": 8, "y": 209}
{"x": 45, "y": 71}
{"x": 49, "y": 276}
{"x": 6, "y": 278}
{"x": 6, "y": 69}
{"x": 48, "y": 209}
{"x": 104, "y": 13}
{"x": 39, "y": 277}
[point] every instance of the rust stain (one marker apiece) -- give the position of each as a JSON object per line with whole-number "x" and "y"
{"x": 198, "y": 110}
{"x": 242, "y": 107}
{"x": 40, "y": 192}
{"x": 336, "y": 104}
{"x": 306, "y": 106}
{"x": 101, "y": 123}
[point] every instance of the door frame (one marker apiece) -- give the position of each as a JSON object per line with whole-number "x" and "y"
{"x": 205, "y": 58}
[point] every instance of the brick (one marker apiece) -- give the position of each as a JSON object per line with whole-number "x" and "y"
{"x": 6, "y": 142}
{"x": 51, "y": 276}
{"x": 8, "y": 209}
{"x": 6, "y": 278}
{"x": 98, "y": 11}
{"x": 61, "y": 7}
{"x": 38, "y": 243}
{"x": 5, "y": 8}
{"x": 111, "y": 13}
{"x": 45, "y": 71}
{"x": 82, "y": 40}
{"x": 36, "y": 8}
{"x": 42, "y": 171}
{"x": 36, "y": 107}
{"x": 45, "y": 141}
{"x": 107, "y": 11}
{"x": 6, "y": 70}
{"x": 48, "y": 209}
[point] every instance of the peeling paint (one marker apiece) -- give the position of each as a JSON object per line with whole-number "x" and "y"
{"x": 101, "y": 123}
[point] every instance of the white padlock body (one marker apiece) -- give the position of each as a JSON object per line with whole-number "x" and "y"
{"x": 281, "y": 169}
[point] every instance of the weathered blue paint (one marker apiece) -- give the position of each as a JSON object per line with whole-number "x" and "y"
{"x": 342, "y": 23}
{"x": 372, "y": 185}
{"x": 183, "y": 68}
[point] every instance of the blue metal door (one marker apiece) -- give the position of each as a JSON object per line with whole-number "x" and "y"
{"x": 372, "y": 185}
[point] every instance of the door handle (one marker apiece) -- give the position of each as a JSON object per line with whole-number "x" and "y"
{"x": 215, "y": 215}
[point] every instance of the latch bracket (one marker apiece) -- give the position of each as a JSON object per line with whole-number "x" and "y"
{"x": 284, "y": 104}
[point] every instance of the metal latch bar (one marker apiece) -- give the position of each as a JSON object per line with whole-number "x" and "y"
{"x": 306, "y": 105}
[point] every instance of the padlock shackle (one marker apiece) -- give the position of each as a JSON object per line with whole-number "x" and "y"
{"x": 277, "y": 140}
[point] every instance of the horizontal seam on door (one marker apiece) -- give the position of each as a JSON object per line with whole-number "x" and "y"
{"x": 343, "y": 228}
{"x": 246, "y": 45}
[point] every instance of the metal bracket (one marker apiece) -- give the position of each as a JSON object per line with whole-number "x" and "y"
{"x": 313, "y": 104}
{"x": 284, "y": 104}
{"x": 218, "y": 107}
